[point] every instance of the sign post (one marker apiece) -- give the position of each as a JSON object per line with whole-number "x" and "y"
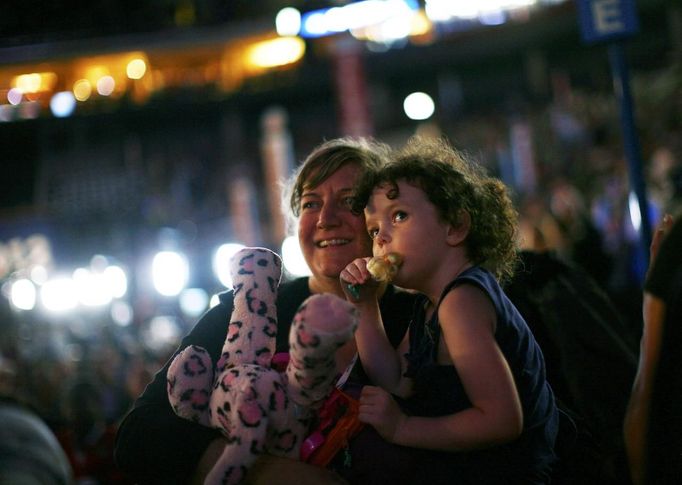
{"x": 611, "y": 21}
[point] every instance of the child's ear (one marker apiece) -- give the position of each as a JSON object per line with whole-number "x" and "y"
{"x": 456, "y": 234}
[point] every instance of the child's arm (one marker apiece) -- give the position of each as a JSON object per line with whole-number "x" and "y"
{"x": 467, "y": 319}
{"x": 381, "y": 361}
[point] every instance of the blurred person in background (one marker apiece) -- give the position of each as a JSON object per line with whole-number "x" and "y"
{"x": 581, "y": 241}
{"x": 87, "y": 436}
{"x": 653, "y": 422}
{"x": 155, "y": 446}
{"x": 29, "y": 452}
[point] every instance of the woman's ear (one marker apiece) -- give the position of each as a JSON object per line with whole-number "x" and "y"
{"x": 456, "y": 234}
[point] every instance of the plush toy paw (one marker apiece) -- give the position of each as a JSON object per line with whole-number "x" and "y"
{"x": 190, "y": 377}
{"x": 322, "y": 324}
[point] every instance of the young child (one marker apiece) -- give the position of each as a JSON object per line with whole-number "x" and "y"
{"x": 469, "y": 378}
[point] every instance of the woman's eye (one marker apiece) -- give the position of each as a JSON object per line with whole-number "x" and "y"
{"x": 309, "y": 204}
{"x": 399, "y": 216}
{"x": 348, "y": 202}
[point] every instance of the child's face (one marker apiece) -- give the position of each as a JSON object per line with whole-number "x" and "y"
{"x": 409, "y": 225}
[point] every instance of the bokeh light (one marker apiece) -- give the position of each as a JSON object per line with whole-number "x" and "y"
{"x": 59, "y": 294}
{"x": 292, "y": 257}
{"x": 288, "y": 21}
{"x": 221, "y": 262}
{"x": 14, "y": 96}
{"x": 62, "y": 104}
{"x": 23, "y": 294}
{"x": 106, "y": 85}
{"x": 419, "y": 106}
{"x": 193, "y": 301}
{"x": 82, "y": 89}
{"x": 170, "y": 272}
{"x": 136, "y": 69}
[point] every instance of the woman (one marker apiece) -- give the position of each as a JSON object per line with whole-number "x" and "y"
{"x": 155, "y": 446}
{"x": 653, "y": 426}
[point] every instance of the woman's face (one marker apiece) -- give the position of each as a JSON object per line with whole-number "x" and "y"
{"x": 330, "y": 235}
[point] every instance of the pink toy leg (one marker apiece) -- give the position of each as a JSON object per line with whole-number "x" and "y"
{"x": 249, "y": 405}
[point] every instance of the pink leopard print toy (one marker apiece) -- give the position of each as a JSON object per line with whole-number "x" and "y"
{"x": 258, "y": 409}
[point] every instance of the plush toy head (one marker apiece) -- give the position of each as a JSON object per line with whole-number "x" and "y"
{"x": 258, "y": 409}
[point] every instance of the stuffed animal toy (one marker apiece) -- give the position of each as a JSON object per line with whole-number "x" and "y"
{"x": 257, "y": 408}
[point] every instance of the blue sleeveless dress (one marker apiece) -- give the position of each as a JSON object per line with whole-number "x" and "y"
{"x": 438, "y": 391}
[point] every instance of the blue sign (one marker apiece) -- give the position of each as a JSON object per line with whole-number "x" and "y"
{"x": 606, "y": 20}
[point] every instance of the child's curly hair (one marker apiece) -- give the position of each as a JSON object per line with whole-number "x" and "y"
{"x": 454, "y": 184}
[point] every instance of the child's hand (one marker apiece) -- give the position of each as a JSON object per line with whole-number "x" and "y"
{"x": 378, "y": 408}
{"x": 357, "y": 282}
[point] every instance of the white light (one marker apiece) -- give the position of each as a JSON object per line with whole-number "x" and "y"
{"x": 293, "y": 259}
{"x": 23, "y": 294}
{"x": 59, "y": 294}
{"x": 39, "y": 274}
{"x": 221, "y": 262}
{"x": 136, "y": 69}
{"x": 314, "y": 25}
{"x": 491, "y": 12}
{"x": 497, "y": 17}
{"x": 354, "y": 15}
{"x": 92, "y": 288}
{"x": 62, "y": 104}
{"x": 170, "y": 272}
{"x": 121, "y": 313}
{"x": 288, "y": 21}
{"x": 106, "y": 85}
{"x": 163, "y": 332}
{"x": 418, "y": 106}
{"x": 14, "y": 96}
{"x": 116, "y": 280}
{"x": 193, "y": 301}
{"x": 635, "y": 214}
{"x": 215, "y": 300}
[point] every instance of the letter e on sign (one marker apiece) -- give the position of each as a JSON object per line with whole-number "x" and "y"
{"x": 606, "y": 20}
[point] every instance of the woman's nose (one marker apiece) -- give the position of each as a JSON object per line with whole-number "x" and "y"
{"x": 328, "y": 217}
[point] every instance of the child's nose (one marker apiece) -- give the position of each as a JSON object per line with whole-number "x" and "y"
{"x": 382, "y": 237}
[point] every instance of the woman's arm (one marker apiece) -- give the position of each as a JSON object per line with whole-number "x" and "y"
{"x": 636, "y": 422}
{"x": 637, "y": 413}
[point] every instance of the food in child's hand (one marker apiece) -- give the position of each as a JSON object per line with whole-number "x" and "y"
{"x": 384, "y": 268}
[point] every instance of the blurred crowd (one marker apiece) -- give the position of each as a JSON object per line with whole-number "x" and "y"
{"x": 565, "y": 163}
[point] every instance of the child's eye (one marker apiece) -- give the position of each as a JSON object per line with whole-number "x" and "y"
{"x": 372, "y": 233}
{"x": 399, "y": 216}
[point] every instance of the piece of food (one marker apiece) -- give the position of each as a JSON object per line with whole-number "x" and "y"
{"x": 384, "y": 268}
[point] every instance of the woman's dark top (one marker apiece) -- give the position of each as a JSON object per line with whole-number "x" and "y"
{"x": 438, "y": 391}
{"x": 153, "y": 445}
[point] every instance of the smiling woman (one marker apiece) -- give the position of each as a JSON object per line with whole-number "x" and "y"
{"x": 155, "y": 446}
